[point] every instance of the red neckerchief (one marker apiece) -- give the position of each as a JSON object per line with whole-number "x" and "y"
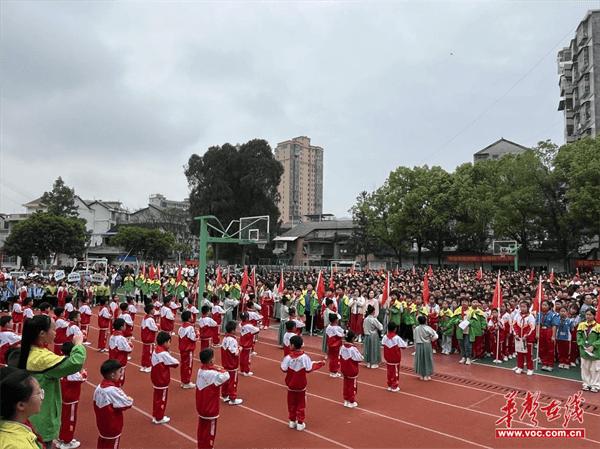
{"x": 118, "y": 333}
{"x": 391, "y": 335}
{"x": 295, "y": 353}
{"x": 186, "y": 324}
{"x": 160, "y": 348}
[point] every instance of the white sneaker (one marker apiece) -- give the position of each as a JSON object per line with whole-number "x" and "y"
{"x": 142, "y": 369}
{"x": 292, "y": 424}
{"x": 333, "y": 375}
{"x": 300, "y": 426}
{"x": 497, "y": 361}
{"x": 237, "y": 401}
{"x": 346, "y": 403}
{"x": 71, "y": 445}
{"x": 87, "y": 343}
{"x": 254, "y": 353}
{"x": 468, "y": 362}
{"x": 225, "y": 399}
{"x": 462, "y": 360}
{"x": 372, "y": 366}
{"x": 353, "y": 404}
{"x": 165, "y": 420}
{"x": 395, "y": 390}
{"x": 530, "y": 372}
{"x": 505, "y": 359}
{"x": 248, "y": 374}
{"x": 389, "y": 388}
{"x": 188, "y": 386}
{"x": 128, "y": 357}
{"x": 518, "y": 371}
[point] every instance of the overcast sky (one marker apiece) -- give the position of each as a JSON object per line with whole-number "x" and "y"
{"x": 115, "y": 96}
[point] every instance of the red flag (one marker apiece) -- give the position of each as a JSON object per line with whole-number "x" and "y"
{"x": 281, "y": 283}
{"x": 219, "y": 276}
{"x": 244, "y": 285}
{"x": 537, "y": 302}
{"x": 331, "y": 283}
{"x": 320, "y": 286}
{"x": 430, "y": 271}
{"x": 178, "y": 280}
{"x": 531, "y": 275}
{"x": 151, "y": 272}
{"x": 253, "y": 279}
{"x": 426, "y": 289}
{"x": 479, "y": 274}
{"x": 552, "y": 276}
{"x": 497, "y": 301}
{"x": 386, "y": 289}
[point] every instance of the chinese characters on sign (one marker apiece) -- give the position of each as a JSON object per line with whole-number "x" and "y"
{"x": 572, "y": 410}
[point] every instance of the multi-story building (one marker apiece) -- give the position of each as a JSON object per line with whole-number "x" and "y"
{"x": 578, "y": 81}
{"x": 158, "y": 200}
{"x": 498, "y": 149}
{"x": 301, "y": 186}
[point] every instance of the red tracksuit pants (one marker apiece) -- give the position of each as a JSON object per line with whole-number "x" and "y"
{"x": 205, "y": 343}
{"x": 497, "y": 347}
{"x": 215, "y": 335}
{"x": 525, "y": 357}
{"x": 187, "y": 362}
{"x": 102, "y": 338}
{"x": 393, "y": 374}
{"x": 147, "y": 354}
{"x": 159, "y": 402}
{"x": 245, "y": 360}
{"x": 546, "y": 347}
{"x": 564, "y": 351}
{"x": 333, "y": 355}
{"x": 229, "y": 388}
{"x": 265, "y": 311}
{"x": 58, "y": 348}
{"x": 108, "y": 443}
{"x": 68, "y": 420}
{"x": 207, "y": 431}
{"x": 18, "y": 327}
{"x": 350, "y": 388}
{"x": 296, "y": 401}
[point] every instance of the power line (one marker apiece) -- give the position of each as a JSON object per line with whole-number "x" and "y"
{"x": 497, "y": 100}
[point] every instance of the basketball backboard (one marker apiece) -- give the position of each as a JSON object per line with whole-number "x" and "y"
{"x": 255, "y": 229}
{"x": 505, "y": 247}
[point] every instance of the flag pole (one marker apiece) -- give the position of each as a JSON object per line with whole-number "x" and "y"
{"x": 537, "y": 327}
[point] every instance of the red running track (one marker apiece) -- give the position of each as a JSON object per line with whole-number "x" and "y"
{"x": 436, "y": 414}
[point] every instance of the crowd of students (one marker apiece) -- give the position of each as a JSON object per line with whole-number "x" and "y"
{"x": 440, "y": 310}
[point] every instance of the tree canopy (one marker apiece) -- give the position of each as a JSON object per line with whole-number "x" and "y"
{"x": 544, "y": 198}
{"x": 60, "y": 200}
{"x": 149, "y": 244}
{"x": 44, "y": 235}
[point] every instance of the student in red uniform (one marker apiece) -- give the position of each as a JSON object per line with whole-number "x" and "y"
{"x": 392, "y": 343}
{"x": 8, "y": 338}
{"x": 208, "y": 384}
{"x": 131, "y": 308}
{"x": 290, "y": 331}
{"x": 296, "y": 365}
{"x": 61, "y": 330}
{"x": 70, "y": 388}
{"x": 162, "y": 362}
{"x": 187, "y": 345}
{"x": 69, "y": 307}
{"x": 86, "y": 318}
{"x": 119, "y": 347}
{"x": 125, "y": 316}
{"x": 217, "y": 313}
{"x": 247, "y": 333}
{"x": 149, "y": 330}
{"x": 230, "y": 358}
{"x": 73, "y": 328}
{"x": 206, "y": 325}
{"x": 45, "y": 308}
{"x": 27, "y": 309}
{"x": 335, "y": 334}
{"x": 350, "y": 358}
{"x": 524, "y": 330}
{"x": 167, "y": 319}
{"x": 495, "y": 332}
{"x": 17, "y": 316}
{"x": 61, "y": 295}
{"x": 104, "y": 322}
{"x": 110, "y": 401}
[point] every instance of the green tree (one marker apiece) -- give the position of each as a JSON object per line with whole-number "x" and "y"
{"x": 60, "y": 200}
{"x": 44, "y": 235}
{"x": 361, "y": 242}
{"x": 235, "y": 181}
{"x": 520, "y": 199}
{"x": 148, "y": 244}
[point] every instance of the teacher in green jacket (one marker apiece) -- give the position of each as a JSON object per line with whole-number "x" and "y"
{"x": 48, "y": 368}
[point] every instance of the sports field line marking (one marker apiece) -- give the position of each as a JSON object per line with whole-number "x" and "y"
{"x": 479, "y": 402}
{"x": 537, "y": 374}
{"x": 148, "y": 415}
{"x": 380, "y": 415}
{"x": 323, "y": 437}
{"x": 305, "y": 431}
{"x": 403, "y": 374}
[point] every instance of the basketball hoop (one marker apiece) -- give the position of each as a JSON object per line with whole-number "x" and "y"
{"x": 261, "y": 245}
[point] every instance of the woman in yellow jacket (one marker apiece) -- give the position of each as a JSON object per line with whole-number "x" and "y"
{"x": 21, "y": 398}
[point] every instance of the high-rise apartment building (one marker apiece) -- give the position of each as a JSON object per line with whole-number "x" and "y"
{"x": 301, "y": 186}
{"x": 578, "y": 81}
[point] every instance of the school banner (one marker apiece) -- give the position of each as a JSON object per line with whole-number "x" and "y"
{"x": 59, "y": 275}
{"x": 480, "y": 259}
